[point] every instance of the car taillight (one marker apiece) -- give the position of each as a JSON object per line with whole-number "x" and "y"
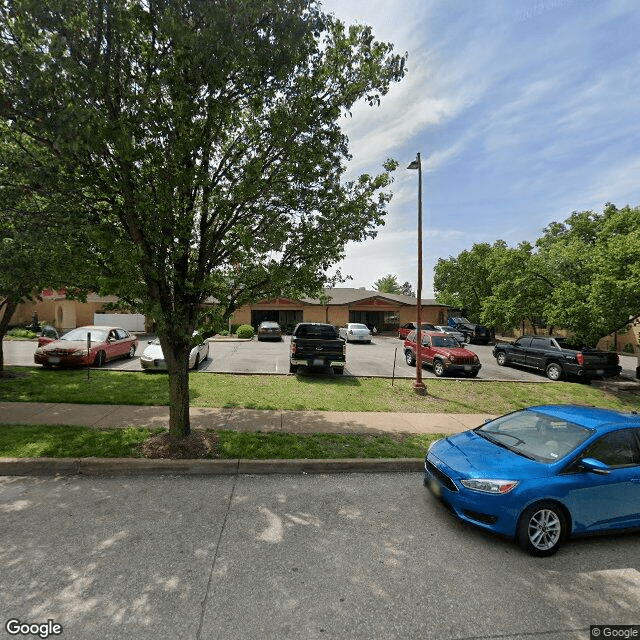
{"x": 580, "y": 358}
{"x": 293, "y": 347}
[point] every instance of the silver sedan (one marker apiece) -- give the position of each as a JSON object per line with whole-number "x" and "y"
{"x": 152, "y": 358}
{"x": 458, "y": 335}
{"x": 355, "y": 332}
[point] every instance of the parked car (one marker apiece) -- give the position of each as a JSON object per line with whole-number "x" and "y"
{"x": 542, "y": 474}
{"x": 408, "y": 327}
{"x": 268, "y": 330}
{"x": 443, "y": 353}
{"x": 458, "y": 335}
{"x": 355, "y": 332}
{"x": 555, "y": 358}
{"x": 152, "y": 358}
{"x": 472, "y": 332}
{"x": 315, "y": 344}
{"x": 107, "y": 343}
{"x": 49, "y": 334}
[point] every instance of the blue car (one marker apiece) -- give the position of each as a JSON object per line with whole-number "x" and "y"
{"x": 542, "y": 474}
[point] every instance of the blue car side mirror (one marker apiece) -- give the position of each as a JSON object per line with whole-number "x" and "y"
{"x": 595, "y": 466}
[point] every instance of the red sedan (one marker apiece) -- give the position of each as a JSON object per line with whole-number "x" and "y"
{"x": 408, "y": 327}
{"x": 87, "y": 346}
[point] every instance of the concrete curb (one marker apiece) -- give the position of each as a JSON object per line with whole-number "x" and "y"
{"x": 144, "y": 466}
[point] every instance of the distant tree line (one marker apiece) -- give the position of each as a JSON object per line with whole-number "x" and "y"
{"x": 582, "y": 275}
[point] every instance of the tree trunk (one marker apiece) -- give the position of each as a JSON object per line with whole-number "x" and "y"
{"x": 176, "y": 353}
{"x": 179, "y": 425}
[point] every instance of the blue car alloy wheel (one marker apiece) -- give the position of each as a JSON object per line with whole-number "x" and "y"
{"x": 542, "y": 474}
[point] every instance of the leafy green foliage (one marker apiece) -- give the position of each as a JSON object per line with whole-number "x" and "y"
{"x": 21, "y": 333}
{"x": 245, "y": 331}
{"x": 582, "y": 275}
{"x": 200, "y": 143}
{"x": 463, "y": 282}
{"x": 388, "y": 284}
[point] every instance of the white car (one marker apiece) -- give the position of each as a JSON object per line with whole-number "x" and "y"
{"x": 458, "y": 335}
{"x": 355, "y": 332}
{"x": 152, "y": 358}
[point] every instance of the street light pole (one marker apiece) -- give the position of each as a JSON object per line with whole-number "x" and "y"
{"x": 418, "y": 385}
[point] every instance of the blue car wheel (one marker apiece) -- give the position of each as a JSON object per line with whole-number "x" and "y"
{"x": 542, "y": 529}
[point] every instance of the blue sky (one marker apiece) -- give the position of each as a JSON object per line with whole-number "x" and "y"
{"x": 523, "y": 111}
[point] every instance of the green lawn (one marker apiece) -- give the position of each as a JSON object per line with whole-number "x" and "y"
{"x": 34, "y": 441}
{"x": 300, "y": 392}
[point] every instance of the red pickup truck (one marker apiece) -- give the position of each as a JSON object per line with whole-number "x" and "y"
{"x": 443, "y": 353}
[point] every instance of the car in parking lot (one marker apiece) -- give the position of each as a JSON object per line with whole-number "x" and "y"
{"x": 355, "y": 332}
{"x": 408, "y": 327}
{"x": 458, "y": 335}
{"x": 557, "y": 358}
{"x": 443, "y": 353}
{"x": 85, "y": 346}
{"x": 268, "y": 330}
{"x": 152, "y": 358}
{"x": 542, "y": 474}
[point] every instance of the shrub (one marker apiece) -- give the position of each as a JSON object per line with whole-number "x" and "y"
{"x": 245, "y": 331}
{"x": 224, "y": 332}
{"x": 21, "y": 333}
{"x": 628, "y": 348}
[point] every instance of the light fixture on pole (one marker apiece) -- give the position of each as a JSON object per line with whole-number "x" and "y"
{"x": 418, "y": 385}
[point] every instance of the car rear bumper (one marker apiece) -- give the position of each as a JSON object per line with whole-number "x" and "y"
{"x": 153, "y": 364}
{"x": 317, "y": 362}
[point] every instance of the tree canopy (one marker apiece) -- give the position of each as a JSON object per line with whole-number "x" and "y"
{"x": 40, "y": 244}
{"x": 201, "y": 142}
{"x": 390, "y": 284}
{"x": 582, "y": 274}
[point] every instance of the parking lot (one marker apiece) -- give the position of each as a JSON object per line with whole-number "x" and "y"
{"x": 384, "y": 358}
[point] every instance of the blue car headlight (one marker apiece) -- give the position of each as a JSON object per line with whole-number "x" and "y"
{"x": 489, "y": 486}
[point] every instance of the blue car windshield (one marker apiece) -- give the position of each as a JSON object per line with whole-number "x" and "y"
{"x": 535, "y": 435}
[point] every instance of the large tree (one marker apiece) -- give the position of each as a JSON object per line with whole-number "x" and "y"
{"x": 388, "y": 284}
{"x": 201, "y": 139}
{"x": 463, "y": 281}
{"x": 592, "y": 265}
{"x": 582, "y": 274}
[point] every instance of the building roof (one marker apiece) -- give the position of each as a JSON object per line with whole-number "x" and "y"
{"x": 345, "y": 295}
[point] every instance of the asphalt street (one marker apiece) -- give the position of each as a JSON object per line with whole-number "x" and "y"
{"x": 289, "y": 556}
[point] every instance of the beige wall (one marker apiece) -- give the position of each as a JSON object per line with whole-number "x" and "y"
{"x": 339, "y": 316}
{"x": 241, "y": 316}
{"x": 434, "y": 315}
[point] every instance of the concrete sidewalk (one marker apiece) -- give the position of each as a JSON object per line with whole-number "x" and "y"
{"x": 120, "y": 416}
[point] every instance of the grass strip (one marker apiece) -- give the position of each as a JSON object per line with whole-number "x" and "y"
{"x": 303, "y": 392}
{"x": 66, "y": 441}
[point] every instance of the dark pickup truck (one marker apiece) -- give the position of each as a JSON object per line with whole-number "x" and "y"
{"x": 556, "y": 358}
{"x": 314, "y": 344}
